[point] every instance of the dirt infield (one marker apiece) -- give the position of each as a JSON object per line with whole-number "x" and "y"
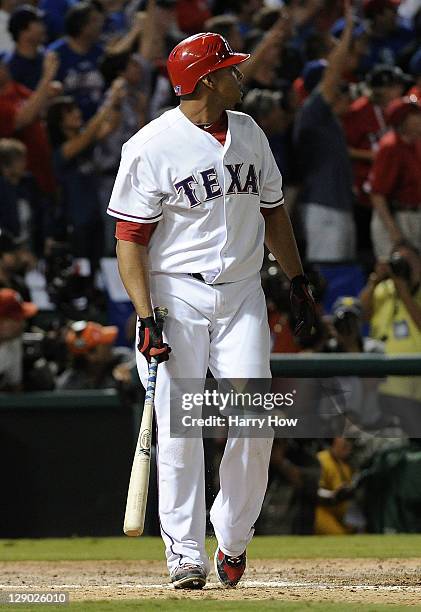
{"x": 396, "y": 581}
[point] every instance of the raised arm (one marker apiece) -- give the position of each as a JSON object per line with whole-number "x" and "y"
{"x": 100, "y": 125}
{"x": 152, "y": 43}
{"x": 35, "y": 104}
{"x": 276, "y": 36}
{"x": 125, "y": 43}
{"x": 337, "y": 59}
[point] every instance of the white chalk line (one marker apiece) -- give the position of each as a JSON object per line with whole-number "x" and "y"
{"x": 247, "y": 584}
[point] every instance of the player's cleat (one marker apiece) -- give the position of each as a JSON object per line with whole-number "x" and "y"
{"x": 189, "y": 576}
{"x": 229, "y": 569}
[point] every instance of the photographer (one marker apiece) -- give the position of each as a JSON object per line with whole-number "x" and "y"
{"x": 391, "y": 302}
{"x": 347, "y": 321}
{"x": 335, "y": 488}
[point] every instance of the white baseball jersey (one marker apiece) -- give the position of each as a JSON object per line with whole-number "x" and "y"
{"x": 206, "y": 196}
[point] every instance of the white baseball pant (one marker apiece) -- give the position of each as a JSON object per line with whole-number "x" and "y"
{"x": 223, "y": 327}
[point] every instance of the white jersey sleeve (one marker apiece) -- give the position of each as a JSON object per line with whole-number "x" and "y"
{"x": 271, "y": 194}
{"x": 136, "y": 195}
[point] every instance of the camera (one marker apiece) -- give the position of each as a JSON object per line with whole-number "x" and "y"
{"x": 70, "y": 285}
{"x": 400, "y": 266}
{"x": 347, "y": 324}
{"x": 44, "y": 355}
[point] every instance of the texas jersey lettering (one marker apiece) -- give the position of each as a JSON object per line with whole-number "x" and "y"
{"x": 210, "y": 184}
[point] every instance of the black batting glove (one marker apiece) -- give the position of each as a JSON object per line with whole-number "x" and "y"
{"x": 303, "y": 307}
{"x": 150, "y": 342}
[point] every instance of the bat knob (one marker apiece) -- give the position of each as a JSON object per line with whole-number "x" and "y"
{"x": 160, "y": 313}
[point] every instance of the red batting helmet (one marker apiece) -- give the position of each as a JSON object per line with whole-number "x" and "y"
{"x": 197, "y": 56}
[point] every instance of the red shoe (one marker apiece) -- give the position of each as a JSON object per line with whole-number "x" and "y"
{"x": 229, "y": 569}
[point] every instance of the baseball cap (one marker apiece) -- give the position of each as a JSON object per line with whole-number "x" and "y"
{"x": 8, "y": 243}
{"x": 86, "y": 335}
{"x": 312, "y": 73}
{"x": 22, "y": 17}
{"x": 13, "y": 307}
{"x": 338, "y": 27}
{"x": 383, "y": 75}
{"x": 398, "y": 110}
{"x": 415, "y": 64}
{"x": 346, "y": 305}
{"x": 371, "y": 7}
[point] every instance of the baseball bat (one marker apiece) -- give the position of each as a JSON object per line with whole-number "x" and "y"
{"x": 137, "y": 495}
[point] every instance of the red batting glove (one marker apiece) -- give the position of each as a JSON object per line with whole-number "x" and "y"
{"x": 150, "y": 340}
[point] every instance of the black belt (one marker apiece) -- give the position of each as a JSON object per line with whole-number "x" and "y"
{"x": 197, "y": 276}
{"x": 200, "y": 278}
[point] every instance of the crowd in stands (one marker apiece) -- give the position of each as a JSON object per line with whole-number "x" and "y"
{"x": 338, "y": 96}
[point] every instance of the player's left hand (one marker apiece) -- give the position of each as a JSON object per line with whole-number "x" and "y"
{"x": 302, "y": 305}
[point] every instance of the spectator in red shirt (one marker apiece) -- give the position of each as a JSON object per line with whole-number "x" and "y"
{"x": 20, "y": 117}
{"x": 395, "y": 180}
{"x": 364, "y": 125}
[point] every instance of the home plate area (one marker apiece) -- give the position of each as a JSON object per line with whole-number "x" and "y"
{"x": 395, "y": 581}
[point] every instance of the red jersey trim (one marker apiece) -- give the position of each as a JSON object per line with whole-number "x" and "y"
{"x": 139, "y": 233}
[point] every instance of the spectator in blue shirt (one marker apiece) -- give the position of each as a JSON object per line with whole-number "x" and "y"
{"x": 322, "y": 154}
{"x": 73, "y": 143}
{"x": 79, "y": 53}
{"x": 28, "y": 31}
{"x": 389, "y": 36}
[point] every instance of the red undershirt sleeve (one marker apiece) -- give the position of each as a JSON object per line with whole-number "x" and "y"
{"x": 140, "y": 233}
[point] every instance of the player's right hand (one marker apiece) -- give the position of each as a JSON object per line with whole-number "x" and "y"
{"x": 150, "y": 342}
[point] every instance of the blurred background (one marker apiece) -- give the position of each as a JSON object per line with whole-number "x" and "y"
{"x": 345, "y": 130}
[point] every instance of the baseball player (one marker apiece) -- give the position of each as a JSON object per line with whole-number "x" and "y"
{"x": 196, "y": 196}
